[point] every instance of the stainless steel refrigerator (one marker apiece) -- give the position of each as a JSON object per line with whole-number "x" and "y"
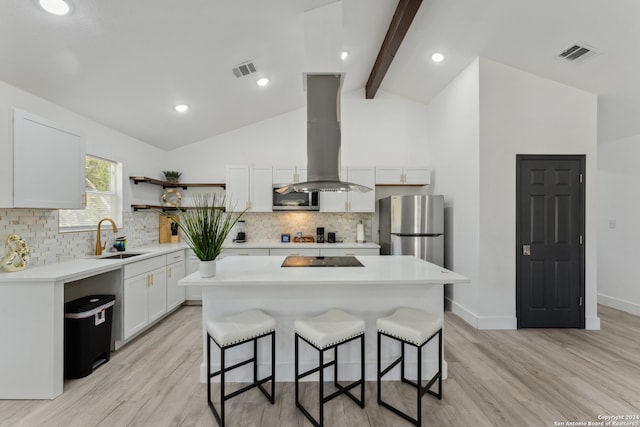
{"x": 412, "y": 225}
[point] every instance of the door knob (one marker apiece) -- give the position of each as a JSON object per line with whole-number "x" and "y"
{"x": 526, "y": 250}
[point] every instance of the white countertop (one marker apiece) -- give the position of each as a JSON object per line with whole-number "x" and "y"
{"x": 384, "y": 270}
{"x": 83, "y": 267}
{"x": 314, "y": 245}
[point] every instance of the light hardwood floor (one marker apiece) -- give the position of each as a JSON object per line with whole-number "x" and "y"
{"x": 533, "y": 377}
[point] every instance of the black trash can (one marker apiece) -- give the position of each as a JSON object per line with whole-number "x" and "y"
{"x": 87, "y": 334}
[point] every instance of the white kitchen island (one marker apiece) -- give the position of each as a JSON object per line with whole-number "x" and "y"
{"x": 288, "y": 293}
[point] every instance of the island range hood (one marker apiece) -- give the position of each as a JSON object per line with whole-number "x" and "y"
{"x": 323, "y": 137}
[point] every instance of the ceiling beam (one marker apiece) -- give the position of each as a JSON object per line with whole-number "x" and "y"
{"x": 402, "y": 18}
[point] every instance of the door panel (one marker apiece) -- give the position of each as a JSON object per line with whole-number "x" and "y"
{"x": 550, "y": 215}
{"x": 429, "y": 248}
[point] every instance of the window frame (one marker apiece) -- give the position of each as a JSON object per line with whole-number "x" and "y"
{"x": 115, "y": 194}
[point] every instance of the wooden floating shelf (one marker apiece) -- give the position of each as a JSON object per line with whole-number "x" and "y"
{"x": 164, "y": 208}
{"x": 167, "y": 184}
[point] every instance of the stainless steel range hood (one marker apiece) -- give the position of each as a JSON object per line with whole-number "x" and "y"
{"x": 323, "y": 137}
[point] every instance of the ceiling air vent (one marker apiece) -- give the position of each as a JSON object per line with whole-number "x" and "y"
{"x": 244, "y": 69}
{"x": 577, "y": 52}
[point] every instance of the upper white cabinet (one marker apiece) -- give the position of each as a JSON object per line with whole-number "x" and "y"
{"x": 289, "y": 174}
{"x": 400, "y": 175}
{"x": 249, "y": 188}
{"x": 47, "y": 160}
{"x": 352, "y": 201}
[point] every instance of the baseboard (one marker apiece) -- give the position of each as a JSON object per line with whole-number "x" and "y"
{"x": 619, "y": 304}
{"x": 479, "y": 322}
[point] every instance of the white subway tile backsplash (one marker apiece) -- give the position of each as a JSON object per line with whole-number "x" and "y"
{"x": 39, "y": 228}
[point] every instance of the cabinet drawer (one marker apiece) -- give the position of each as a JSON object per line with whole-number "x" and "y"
{"x": 346, "y": 251}
{"x": 294, "y": 251}
{"x": 176, "y": 256}
{"x": 245, "y": 252}
{"x": 141, "y": 267}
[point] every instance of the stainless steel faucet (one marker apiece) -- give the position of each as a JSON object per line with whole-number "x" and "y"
{"x": 99, "y": 246}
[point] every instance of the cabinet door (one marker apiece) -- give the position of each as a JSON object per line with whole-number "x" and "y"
{"x": 238, "y": 188}
{"x": 335, "y": 202}
{"x": 362, "y": 202}
{"x": 390, "y": 175}
{"x": 301, "y": 174}
{"x": 417, "y": 175}
{"x": 157, "y": 294}
{"x": 261, "y": 199}
{"x": 175, "y": 292}
{"x": 136, "y": 305}
{"x": 48, "y": 164}
{"x": 284, "y": 175}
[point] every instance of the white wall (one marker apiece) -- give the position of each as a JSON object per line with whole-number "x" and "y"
{"x": 453, "y": 142}
{"x": 138, "y": 158}
{"x": 618, "y": 230}
{"x": 476, "y": 126}
{"x": 521, "y": 113}
{"x": 387, "y": 130}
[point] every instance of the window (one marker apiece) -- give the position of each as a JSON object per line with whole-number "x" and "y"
{"x": 103, "y": 179}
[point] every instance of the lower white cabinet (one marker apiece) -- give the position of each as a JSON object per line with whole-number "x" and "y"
{"x": 294, "y": 251}
{"x": 145, "y": 294}
{"x": 175, "y": 272}
{"x": 244, "y": 252}
{"x": 348, "y": 252}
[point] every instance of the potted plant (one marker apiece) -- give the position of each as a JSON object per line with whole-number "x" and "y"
{"x": 172, "y": 176}
{"x": 205, "y": 226}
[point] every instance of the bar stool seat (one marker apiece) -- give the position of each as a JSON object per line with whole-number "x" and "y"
{"x": 330, "y": 328}
{"x": 325, "y": 332}
{"x": 415, "y": 328}
{"x": 231, "y": 331}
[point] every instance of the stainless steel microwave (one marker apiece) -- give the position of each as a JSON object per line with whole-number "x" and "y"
{"x": 294, "y": 201}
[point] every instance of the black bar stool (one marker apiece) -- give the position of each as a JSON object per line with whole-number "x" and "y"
{"x": 416, "y": 328}
{"x": 232, "y": 331}
{"x": 325, "y": 332}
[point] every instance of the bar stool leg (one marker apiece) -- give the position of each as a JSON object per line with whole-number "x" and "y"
{"x": 209, "y": 369}
{"x": 419, "y": 388}
{"x": 222, "y": 386}
{"x": 321, "y": 399}
{"x": 362, "y": 371}
{"x": 378, "y": 370}
{"x": 296, "y": 372}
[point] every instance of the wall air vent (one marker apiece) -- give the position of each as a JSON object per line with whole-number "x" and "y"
{"x": 244, "y": 69}
{"x": 577, "y": 52}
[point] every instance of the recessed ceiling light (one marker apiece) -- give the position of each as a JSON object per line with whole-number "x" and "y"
{"x": 263, "y": 81}
{"x": 344, "y": 55}
{"x": 56, "y": 7}
{"x": 181, "y": 108}
{"x": 437, "y": 57}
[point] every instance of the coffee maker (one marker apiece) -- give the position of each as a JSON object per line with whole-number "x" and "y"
{"x": 241, "y": 236}
{"x": 320, "y": 235}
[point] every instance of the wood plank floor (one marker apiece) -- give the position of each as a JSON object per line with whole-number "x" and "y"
{"x": 532, "y": 377}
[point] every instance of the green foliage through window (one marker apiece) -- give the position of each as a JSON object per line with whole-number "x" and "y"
{"x": 103, "y": 197}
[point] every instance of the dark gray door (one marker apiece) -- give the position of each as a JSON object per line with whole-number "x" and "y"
{"x": 550, "y": 241}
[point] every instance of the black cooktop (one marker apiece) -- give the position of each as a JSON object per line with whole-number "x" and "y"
{"x": 321, "y": 261}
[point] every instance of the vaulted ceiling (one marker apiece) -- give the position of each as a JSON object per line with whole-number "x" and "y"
{"x": 126, "y": 63}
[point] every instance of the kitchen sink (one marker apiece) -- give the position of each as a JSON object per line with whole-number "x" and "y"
{"x": 122, "y": 255}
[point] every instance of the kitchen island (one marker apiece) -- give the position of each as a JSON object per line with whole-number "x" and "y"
{"x": 376, "y": 289}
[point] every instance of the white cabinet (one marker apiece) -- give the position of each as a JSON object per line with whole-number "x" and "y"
{"x": 175, "y": 272}
{"x": 244, "y": 252}
{"x": 294, "y": 251}
{"x": 145, "y": 294}
{"x": 249, "y": 187}
{"x": 352, "y": 201}
{"x": 289, "y": 174}
{"x": 348, "y": 251}
{"x": 399, "y": 175}
{"x": 47, "y": 160}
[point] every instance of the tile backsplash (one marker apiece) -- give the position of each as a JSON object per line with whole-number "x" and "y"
{"x": 39, "y": 228}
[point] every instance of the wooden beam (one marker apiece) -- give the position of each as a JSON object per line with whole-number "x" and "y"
{"x": 402, "y": 19}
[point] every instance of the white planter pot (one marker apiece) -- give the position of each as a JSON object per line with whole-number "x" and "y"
{"x": 207, "y": 268}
